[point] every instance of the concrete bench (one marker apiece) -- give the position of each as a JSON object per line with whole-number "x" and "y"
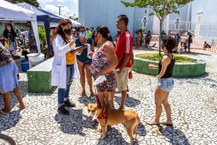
{"x": 39, "y": 78}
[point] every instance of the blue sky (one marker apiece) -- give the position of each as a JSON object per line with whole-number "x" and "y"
{"x": 70, "y": 6}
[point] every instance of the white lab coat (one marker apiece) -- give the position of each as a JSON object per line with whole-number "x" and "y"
{"x": 58, "y": 77}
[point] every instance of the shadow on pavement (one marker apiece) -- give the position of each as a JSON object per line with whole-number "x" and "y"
{"x": 130, "y": 101}
{"x": 86, "y": 100}
{"x": 175, "y": 136}
{"x": 198, "y": 53}
{"x": 74, "y": 122}
{"x": 141, "y": 130}
{"x": 205, "y": 75}
{"x": 9, "y": 120}
{"x": 114, "y": 137}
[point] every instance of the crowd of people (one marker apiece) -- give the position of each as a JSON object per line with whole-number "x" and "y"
{"x": 142, "y": 41}
{"x": 19, "y": 40}
{"x": 91, "y": 55}
{"x": 109, "y": 65}
{"x": 143, "y": 38}
{"x": 77, "y": 52}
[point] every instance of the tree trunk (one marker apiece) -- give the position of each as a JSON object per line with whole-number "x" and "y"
{"x": 161, "y": 22}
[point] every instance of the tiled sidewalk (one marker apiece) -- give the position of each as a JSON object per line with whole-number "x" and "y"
{"x": 193, "y": 103}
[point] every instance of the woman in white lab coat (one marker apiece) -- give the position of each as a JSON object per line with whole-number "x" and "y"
{"x": 64, "y": 64}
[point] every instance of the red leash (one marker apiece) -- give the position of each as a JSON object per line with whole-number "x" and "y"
{"x": 104, "y": 113}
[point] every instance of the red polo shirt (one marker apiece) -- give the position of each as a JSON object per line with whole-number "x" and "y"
{"x": 124, "y": 45}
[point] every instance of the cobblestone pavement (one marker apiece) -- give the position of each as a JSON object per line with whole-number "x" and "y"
{"x": 193, "y": 102}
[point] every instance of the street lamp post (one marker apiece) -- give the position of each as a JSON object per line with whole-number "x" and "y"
{"x": 59, "y": 9}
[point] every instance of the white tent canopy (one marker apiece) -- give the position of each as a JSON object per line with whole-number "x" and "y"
{"x": 74, "y": 23}
{"x": 11, "y": 12}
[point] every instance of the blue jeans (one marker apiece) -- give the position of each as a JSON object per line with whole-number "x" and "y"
{"x": 63, "y": 94}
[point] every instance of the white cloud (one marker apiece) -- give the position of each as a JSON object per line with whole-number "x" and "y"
{"x": 75, "y": 1}
{"x": 65, "y": 11}
{"x": 44, "y": 2}
{"x": 51, "y": 8}
{"x": 69, "y": 6}
{"x": 60, "y": 1}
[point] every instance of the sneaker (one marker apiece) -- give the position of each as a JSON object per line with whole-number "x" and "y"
{"x": 69, "y": 104}
{"x": 62, "y": 110}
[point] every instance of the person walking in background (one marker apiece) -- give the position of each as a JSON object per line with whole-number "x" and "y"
{"x": 163, "y": 34}
{"x": 178, "y": 38}
{"x": 84, "y": 62}
{"x": 11, "y": 39}
{"x": 139, "y": 39}
{"x": 32, "y": 42}
{"x": 148, "y": 39}
{"x": 124, "y": 51}
{"x": 9, "y": 80}
{"x": 64, "y": 67}
{"x": 165, "y": 81}
{"x": 190, "y": 40}
{"x": 88, "y": 33}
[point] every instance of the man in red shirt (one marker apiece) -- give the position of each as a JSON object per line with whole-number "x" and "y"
{"x": 124, "y": 54}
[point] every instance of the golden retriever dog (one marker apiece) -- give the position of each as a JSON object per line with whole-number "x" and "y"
{"x": 129, "y": 118}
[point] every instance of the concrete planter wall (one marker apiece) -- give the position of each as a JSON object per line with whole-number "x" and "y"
{"x": 180, "y": 69}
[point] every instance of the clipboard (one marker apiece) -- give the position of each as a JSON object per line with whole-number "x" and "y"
{"x": 77, "y": 48}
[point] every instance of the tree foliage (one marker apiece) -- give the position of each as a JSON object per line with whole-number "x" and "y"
{"x": 31, "y": 2}
{"x": 161, "y": 8}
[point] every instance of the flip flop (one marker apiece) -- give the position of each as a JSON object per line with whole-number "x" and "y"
{"x": 165, "y": 123}
{"x": 147, "y": 122}
{"x": 18, "y": 105}
{"x": 92, "y": 95}
{"x": 83, "y": 94}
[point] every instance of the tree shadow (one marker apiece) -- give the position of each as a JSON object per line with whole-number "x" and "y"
{"x": 175, "y": 136}
{"x": 197, "y": 53}
{"x": 141, "y": 130}
{"x": 9, "y": 120}
{"x": 86, "y": 100}
{"x": 113, "y": 137}
{"x": 130, "y": 101}
{"x": 74, "y": 123}
{"x": 205, "y": 75}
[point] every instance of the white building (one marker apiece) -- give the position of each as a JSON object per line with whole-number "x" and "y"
{"x": 199, "y": 17}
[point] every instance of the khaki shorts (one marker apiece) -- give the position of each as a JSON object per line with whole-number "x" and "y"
{"x": 122, "y": 79}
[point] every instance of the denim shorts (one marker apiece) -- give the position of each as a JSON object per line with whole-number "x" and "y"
{"x": 166, "y": 84}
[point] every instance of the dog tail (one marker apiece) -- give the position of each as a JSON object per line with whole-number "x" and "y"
{"x": 136, "y": 127}
{"x": 138, "y": 119}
